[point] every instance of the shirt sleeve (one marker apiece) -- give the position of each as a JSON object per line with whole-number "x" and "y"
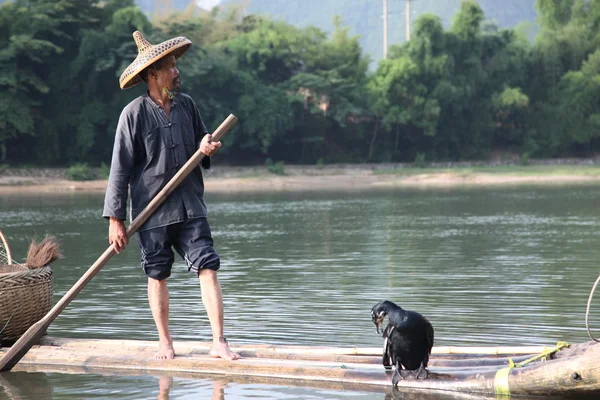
{"x": 200, "y": 132}
{"x": 115, "y": 201}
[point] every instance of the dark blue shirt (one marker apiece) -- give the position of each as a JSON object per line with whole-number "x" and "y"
{"x": 149, "y": 149}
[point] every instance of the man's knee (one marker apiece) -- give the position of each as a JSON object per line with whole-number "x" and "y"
{"x": 206, "y": 273}
{"x": 154, "y": 282}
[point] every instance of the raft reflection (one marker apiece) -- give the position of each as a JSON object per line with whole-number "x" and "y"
{"x": 24, "y": 386}
{"x": 43, "y": 385}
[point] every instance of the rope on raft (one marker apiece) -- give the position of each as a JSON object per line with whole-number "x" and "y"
{"x": 501, "y": 386}
{"x": 542, "y": 356}
{"x": 587, "y": 311}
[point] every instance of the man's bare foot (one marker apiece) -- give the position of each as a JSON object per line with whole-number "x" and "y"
{"x": 220, "y": 349}
{"x": 165, "y": 351}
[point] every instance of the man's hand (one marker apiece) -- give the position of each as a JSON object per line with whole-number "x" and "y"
{"x": 117, "y": 234}
{"x": 207, "y": 147}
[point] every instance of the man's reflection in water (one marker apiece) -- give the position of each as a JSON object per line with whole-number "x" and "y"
{"x": 165, "y": 384}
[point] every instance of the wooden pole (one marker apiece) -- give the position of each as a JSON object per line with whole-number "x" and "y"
{"x": 385, "y": 29}
{"x": 407, "y": 20}
{"x": 22, "y": 346}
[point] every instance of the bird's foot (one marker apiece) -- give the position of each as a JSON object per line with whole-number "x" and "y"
{"x": 398, "y": 376}
{"x": 422, "y": 373}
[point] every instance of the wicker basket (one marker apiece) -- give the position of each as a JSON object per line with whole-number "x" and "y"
{"x": 25, "y": 297}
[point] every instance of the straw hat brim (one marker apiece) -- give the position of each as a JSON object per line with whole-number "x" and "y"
{"x": 131, "y": 76}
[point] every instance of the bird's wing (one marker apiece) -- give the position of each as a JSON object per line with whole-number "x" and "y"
{"x": 429, "y": 336}
{"x": 388, "y": 330}
{"x": 387, "y": 346}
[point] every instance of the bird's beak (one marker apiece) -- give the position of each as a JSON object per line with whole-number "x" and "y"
{"x": 377, "y": 320}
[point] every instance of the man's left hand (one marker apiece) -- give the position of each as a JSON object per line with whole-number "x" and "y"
{"x": 208, "y": 147}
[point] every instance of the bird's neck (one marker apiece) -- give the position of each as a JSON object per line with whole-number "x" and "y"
{"x": 396, "y": 314}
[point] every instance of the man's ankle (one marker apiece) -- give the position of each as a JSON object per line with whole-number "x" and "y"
{"x": 166, "y": 341}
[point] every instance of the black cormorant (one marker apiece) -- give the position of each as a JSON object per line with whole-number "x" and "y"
{"x": 408, "y": 339}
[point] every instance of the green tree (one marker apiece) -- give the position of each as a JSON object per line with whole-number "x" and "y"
{"x": 25, "y": 55}
{"x": 331, "y": 98}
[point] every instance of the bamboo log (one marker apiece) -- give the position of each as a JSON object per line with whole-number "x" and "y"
{"x": 322, "y": 350}
{"x": 579, "y": 373}
{"x": 490, "y": 350}
{"x": 341, "y": 355}
{"x": 291, "y": 369}
{"x": 142, "y": 348}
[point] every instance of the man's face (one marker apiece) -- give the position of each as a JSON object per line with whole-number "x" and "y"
{"x": 168, "y": 75}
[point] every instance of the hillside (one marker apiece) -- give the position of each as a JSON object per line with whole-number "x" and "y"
{"x": 150, "y": 6}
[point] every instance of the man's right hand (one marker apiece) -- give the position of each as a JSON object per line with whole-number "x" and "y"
{"x": 117, "y": 234}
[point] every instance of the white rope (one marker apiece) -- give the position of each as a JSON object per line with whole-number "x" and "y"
{"x": 587, "y": 311}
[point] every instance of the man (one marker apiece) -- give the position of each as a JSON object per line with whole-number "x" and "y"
{"x": 156, "y": 134}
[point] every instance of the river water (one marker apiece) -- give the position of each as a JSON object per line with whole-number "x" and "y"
{"x": 507, "y": 265}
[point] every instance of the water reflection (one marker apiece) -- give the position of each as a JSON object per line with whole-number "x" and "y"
{"x": 165, "y": 384}
{"x": 24, "y": 386}
{"x": 47, "y": 386}
{"x": 405, "y": 394}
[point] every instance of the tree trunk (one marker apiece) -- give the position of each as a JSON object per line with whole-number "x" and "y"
{"x": 373, "y": 139}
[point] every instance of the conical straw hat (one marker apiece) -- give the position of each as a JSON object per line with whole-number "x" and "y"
{"x": 148, "y": 54}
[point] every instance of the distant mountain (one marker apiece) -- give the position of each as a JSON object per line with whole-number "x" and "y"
{"x": 364, "y": 17}
{"x": 150, "y": 6}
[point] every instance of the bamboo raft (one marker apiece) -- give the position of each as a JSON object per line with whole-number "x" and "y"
{"x": 568, "y": 372}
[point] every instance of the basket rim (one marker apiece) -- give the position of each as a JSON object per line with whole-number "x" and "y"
{"x": 24, "y": 272}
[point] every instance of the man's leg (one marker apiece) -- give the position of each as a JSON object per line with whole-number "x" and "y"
{"x": 157, "y": 260}
{"x": 212, "y": 298}
{"x": 158, "y": 297}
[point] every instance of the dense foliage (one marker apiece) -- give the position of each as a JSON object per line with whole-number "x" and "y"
{"x": 304, "y": 96}
{"x": 364, "y": 17}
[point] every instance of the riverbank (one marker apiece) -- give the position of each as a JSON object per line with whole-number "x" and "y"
{"x": 332, "y": 177}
